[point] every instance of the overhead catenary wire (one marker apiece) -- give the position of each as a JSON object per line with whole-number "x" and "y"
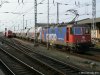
{"x": 40, "y": 2}
{"x": 18, "y": 15}
{"x": 43, "y": 1}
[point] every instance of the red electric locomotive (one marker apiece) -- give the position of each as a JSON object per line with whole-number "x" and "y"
{"x": 78, "y": 37}
{"x": 73, "y": 37}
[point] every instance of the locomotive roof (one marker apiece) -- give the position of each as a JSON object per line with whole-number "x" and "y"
{"x": 68, "y": 25}
{"x": 86, "y": 21}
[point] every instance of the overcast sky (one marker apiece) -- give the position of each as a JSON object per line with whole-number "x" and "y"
{"x": 16, "y": 11}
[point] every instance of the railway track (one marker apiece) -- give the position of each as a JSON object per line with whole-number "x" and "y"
{"x": 4, "y": 69}
{"x": 92, "y": 53}
{"x": 57, "y": 66}
{"x": 33, "y": 63}
{"x": 16, "y": 66}
{"x": 88, "y": 58}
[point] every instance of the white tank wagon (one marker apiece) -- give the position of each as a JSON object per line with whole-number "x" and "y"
{"x": 39, "y": 34}
{"x": 24, "y": 33}
{"x": 31, "y": 33}
{"x": 19, "y": 33}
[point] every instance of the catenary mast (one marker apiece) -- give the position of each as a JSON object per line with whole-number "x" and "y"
{"x": 93, "y": 27}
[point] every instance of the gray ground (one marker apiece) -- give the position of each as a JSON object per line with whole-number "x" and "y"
{"x": 1, "y": 72}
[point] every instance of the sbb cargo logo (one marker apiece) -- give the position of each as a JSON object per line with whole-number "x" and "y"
{"x": 51, "y": 37}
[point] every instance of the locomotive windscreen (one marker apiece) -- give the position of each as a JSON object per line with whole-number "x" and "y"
{"x": 78, "y": 30}
{"x": 81, "y": 30}
{"x": 86, "y": 30}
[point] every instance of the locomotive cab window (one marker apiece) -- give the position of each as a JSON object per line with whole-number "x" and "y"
{"x": 71, "y": 31}
{"x": 77, "y": 31}
{"x": 86, "y": 30}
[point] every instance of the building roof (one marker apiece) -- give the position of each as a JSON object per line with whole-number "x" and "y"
{"x": 88, "y": 21}
{"x": 84, "y": 21}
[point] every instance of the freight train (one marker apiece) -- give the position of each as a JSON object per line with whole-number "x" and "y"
{"x": 71, "y": 36}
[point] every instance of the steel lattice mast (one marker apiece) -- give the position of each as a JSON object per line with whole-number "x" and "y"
{"x": 35, "y": 19}
{"x": 93, "y": 27}
{"x": 48, "y": 25}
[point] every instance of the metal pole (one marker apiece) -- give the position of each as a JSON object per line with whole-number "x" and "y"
{"x": 23, "y": 22}
{"x": 93, "y": 27}
{"x": 57, "y": 12}
{"x": 26, "y": 23}
{"x": 14, "y": 28}
{"x": 18, "y": 26}
{"x": 35, "y": 18}
{"x": 48, "y": 28}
